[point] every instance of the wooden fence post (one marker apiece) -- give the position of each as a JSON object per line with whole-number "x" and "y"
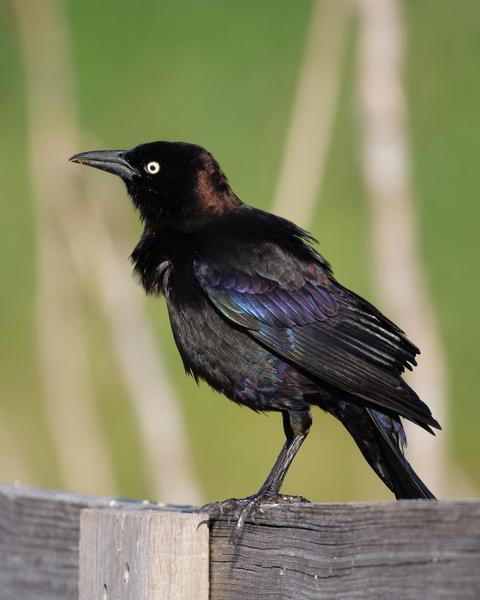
{"x": 54, "y": 545}
{"x": 143, "y": 555}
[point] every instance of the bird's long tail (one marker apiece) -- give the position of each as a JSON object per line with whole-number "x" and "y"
{"x": 381, "y": 439}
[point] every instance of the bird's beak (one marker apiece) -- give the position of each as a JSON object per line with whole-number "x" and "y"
{"x": 112, "y": 161}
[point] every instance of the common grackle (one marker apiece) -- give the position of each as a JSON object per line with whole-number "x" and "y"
{"x": 256, "y": 312}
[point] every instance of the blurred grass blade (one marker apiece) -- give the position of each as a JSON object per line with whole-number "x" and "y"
{"x": 399, "y": 272}
{"x": 164, "y": 436}
{"x": 80, "y": 444}
{"x": 13, "y": 466}
{"x": 62, "y": 227}
{"x": 313, "y": 115}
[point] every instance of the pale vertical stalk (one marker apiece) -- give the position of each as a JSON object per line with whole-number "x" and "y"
{"x": 81, "y": 449}
{"x": 13, "y": 467}
{"x": 399, "y": 272}
{"x": 164, "y": 436}
{"x": 74, "y": 241}
{"x": 311, "y": 125}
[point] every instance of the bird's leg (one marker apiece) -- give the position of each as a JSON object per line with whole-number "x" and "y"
{"x": 296, "y": 425}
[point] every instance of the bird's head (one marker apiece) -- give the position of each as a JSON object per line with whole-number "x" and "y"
{"x": 174, "y": 185}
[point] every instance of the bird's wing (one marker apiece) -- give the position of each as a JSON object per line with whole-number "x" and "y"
{"x": 298, "y": 310}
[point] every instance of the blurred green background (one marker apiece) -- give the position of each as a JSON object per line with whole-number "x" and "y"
{"x": 224, "y": 75}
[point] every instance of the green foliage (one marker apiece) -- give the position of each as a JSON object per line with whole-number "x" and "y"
{"x": 223, "y": 75}
{"x": 444, "y": 95}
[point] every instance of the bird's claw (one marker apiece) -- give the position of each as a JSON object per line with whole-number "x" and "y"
{"x": 246, "y": 509}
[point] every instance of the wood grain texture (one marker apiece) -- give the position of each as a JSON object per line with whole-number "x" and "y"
{"x": 408, "y": 550}
{"x": 143, "y": 555}
{"x": 39, "y": 533}
{"x": 404, "y": 550}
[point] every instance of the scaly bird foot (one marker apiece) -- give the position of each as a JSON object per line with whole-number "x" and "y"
{"x": 246, "y": 509}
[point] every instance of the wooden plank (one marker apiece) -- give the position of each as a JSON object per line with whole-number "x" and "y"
{"x": 39, "y": 533}
{"x": 408, "y": 550}
{"x": 143, "y": 555}
{"x": 405, "y": 550}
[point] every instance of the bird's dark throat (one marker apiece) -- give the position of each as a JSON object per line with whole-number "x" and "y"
{"x": 157, "y": 249}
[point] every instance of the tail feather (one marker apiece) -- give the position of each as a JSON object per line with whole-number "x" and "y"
{"x": 381, "y": 439}
{"x": 405, "y": 482}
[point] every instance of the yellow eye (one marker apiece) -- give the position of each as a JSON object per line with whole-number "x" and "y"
{"x": 153, "y": 167}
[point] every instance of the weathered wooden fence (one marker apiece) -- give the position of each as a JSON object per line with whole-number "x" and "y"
{"x": 56, "y": 546}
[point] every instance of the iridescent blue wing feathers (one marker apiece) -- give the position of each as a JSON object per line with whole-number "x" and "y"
{"x": 289, "y": 301}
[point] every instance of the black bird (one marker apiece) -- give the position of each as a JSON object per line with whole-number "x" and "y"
{"x": 256, "y": 312}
